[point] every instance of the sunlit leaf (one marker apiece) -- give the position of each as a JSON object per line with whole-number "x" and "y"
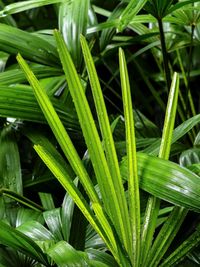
{"x": 119, "y": 211}
{"x": 133, "y": 181}
{"x": 169, "y": 182}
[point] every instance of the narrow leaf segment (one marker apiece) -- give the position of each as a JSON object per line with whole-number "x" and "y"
{"x": 122, "y": 222}
{"x": 133, "y": 181}
{"x": 67, "y": 147}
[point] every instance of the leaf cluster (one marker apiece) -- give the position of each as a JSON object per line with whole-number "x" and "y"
{"x": 99, "y": 133}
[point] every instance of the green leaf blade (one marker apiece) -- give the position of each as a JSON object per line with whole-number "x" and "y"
{"x": 10, "y": 168}
{"x": 58, "y": 128}
{"x": 25, "y": 5}
{"x": 69, "y": 150}
{"x": 16, "y": 240}
{"x": 19, "y": 101}
{"x": 57, "y": 166}
{"x": 133, "y": 181}
{"x": 72, "y": 23}
{"x": 129, "y": 12}
{"x": 65, "y": 255}
{"x": 109, "y": 146}
{"x": 178, "y": 132}
{"x": 170, "y": 116}
{"x": 192, "y": 241}
{"x": 178, "y": 186}
{"x": 60, "y": 173}
{"x": 32, "y": 47}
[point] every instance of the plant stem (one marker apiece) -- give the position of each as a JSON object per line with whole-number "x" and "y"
{"x": 164, "y": 53}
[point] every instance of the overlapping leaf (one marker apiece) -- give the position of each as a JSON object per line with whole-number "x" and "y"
{"x": 133, "y": 181}
{"x": 169, "y": 182}
{"x": 25, "y": 5}
{"x": 10, "y": 168}
{"x": 32, "y": 47}
{"x": 19, "y": 101}
{"x": 72, "y": 23}
{"x": 119, "y": 211}
{"x": 14, "y": 239}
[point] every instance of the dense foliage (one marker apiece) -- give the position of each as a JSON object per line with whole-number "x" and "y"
{"x": 99, "y": 133}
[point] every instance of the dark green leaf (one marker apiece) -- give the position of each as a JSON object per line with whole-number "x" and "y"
{"x": 53, "y": 221}
{"x": 32, "y": 47}
{"x": 19, "y": 101}
{"x": 129, "y": 12}
{"x": 179, "y": 132}
{"x": 107, "y": 34}
{"x": 72, "y": 23}
{"x": 181, "y": 4}
{"x": 15, "y": 76}
{"x": 25, "y": 5}
{"x": 10, "y": 167}
{"x": 158, "y": 8}
{"x": 25, "y": 215}
{"x": 36, "y": 231}
{"x": 66, "y": 216}
{"x": 21, "y": 199}
{"x": 189, "y": 157}
{"x": 47, "y": 201}
{"x": 192, "y": 241}
{"x": 101, "y": 256}
{"x": 16, "y": 240}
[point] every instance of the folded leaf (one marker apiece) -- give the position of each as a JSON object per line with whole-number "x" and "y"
{"x": 19, "y": 101}
{"x": 10, "y": 168}
{"x": 72, "y": 23}
{"x": 65, "y": 255}
{"x": 25, "y": 5}
{"x": 18, "y": 241}
{"x": 167, "y": 180}
{"x": 32, "y": 47}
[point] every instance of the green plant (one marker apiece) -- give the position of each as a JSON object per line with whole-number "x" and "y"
{"x": 125, "y": 195}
